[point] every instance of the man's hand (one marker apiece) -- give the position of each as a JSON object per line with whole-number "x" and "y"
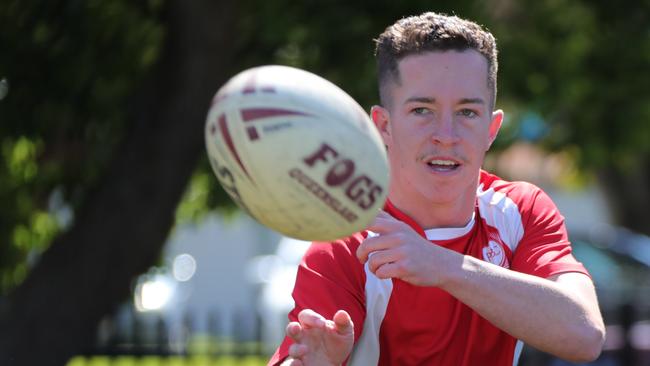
{"x": 400, "y": 252}
{"x": 320, "y": 342}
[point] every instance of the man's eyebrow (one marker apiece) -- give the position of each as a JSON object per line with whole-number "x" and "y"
{"x": 420, "y": 100}
{"x": 433, "y": 100}
{"x": 472, "y": 101}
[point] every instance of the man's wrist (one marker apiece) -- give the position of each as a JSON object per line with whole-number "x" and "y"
{"x": 456, "y": 273}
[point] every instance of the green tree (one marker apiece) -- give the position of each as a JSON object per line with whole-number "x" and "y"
{"x": 106, "y": 105}
{"x": 107, "y": 100}
{"x": 70, "y": 67}
{"x": 583, "y": 66}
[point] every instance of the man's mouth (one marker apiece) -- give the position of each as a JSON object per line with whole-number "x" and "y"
{"x": 443, "y": 165}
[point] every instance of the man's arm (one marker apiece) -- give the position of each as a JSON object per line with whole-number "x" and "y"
{"x": 559, "y": 315}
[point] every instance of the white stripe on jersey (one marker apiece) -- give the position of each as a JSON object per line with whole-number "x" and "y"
{"x": 518, "y": 348}
{"x": 501, "y": 213}
{"x": 378, "y": 293}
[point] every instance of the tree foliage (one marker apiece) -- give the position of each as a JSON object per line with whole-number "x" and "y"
{"x": 71, "y": 66}
{"x": 75, "y": 67}
{"x": 582, "y": 65}
{"x": 126, "y": 210}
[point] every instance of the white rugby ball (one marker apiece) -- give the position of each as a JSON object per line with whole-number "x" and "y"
{"x": 297, "y": 153}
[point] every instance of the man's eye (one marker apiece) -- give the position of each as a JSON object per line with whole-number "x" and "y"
{"x": 420, "y": 110}
{"x": 468, "y": 113}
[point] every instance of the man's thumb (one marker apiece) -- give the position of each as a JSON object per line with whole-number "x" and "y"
{"x": 343, "y": 322}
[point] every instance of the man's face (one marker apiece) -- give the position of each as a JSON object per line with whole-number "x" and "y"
{"x": 438, "y": 125}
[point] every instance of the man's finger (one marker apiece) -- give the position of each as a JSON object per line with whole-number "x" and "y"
{"x": 384, "y": 224}
{"x": 297, "y": 350}
{"x": 388, "y": 270}
{"x": 374, "y": 244}
{"x": 343, "y": 322}
{"x": 382, "y": 257}
{"x": 311, "y": 319}
{"x": 294, "y": 331}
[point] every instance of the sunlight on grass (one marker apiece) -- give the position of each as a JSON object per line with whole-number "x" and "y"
{"x": 168, "y": 361}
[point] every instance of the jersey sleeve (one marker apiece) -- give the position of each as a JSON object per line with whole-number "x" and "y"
{"x": 544, "y": 249}
{"x": 330, "y": 278}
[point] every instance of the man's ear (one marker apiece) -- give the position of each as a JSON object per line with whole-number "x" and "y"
{"x": 381, "y": 117}
{"x": 495, "y": 125}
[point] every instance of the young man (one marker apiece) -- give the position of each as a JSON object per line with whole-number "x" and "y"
{"x": 463, "y": 266}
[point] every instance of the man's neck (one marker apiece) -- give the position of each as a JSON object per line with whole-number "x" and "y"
{"x": 430, "y": 215}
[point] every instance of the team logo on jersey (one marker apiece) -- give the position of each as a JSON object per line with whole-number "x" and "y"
{"x": 495, "y": 254}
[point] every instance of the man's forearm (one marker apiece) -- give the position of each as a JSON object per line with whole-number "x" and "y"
{"x": 548, "y": 315}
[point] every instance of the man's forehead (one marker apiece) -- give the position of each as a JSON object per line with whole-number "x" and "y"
{"x": 431, "y": 61}
{"x": 462, "y": 72}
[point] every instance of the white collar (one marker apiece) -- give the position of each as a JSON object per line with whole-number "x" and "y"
{"x": 446, "y": 233}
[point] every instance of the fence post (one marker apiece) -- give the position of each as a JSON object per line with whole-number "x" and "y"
{"x": 214, "y": 332}
{"x": 162, "y": 336}
{"x": 137, "y": 347}
{"x": 188, "y": 331}
{"x": 259, "y": 347}
{"x": 627, "y": 354}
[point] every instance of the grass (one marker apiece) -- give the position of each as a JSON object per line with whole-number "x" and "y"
{"x": 168, "y": 361}
{"x": 202, "y": 350}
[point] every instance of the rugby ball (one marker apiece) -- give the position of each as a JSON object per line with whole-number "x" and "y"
{"x": 297, "y": 153}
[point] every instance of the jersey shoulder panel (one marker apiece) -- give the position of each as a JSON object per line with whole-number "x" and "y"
{"x": 530, "y": 224}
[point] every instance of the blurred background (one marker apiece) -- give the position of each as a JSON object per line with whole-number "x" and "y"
{"x": 117, "y": 245}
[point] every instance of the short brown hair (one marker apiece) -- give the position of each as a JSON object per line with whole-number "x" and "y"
{"x": 431, "y": 32}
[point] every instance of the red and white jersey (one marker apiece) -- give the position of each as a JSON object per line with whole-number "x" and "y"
{"x": 515, "y": 225}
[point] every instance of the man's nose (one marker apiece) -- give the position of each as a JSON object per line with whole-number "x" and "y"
{"x": 444, "y": 131}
